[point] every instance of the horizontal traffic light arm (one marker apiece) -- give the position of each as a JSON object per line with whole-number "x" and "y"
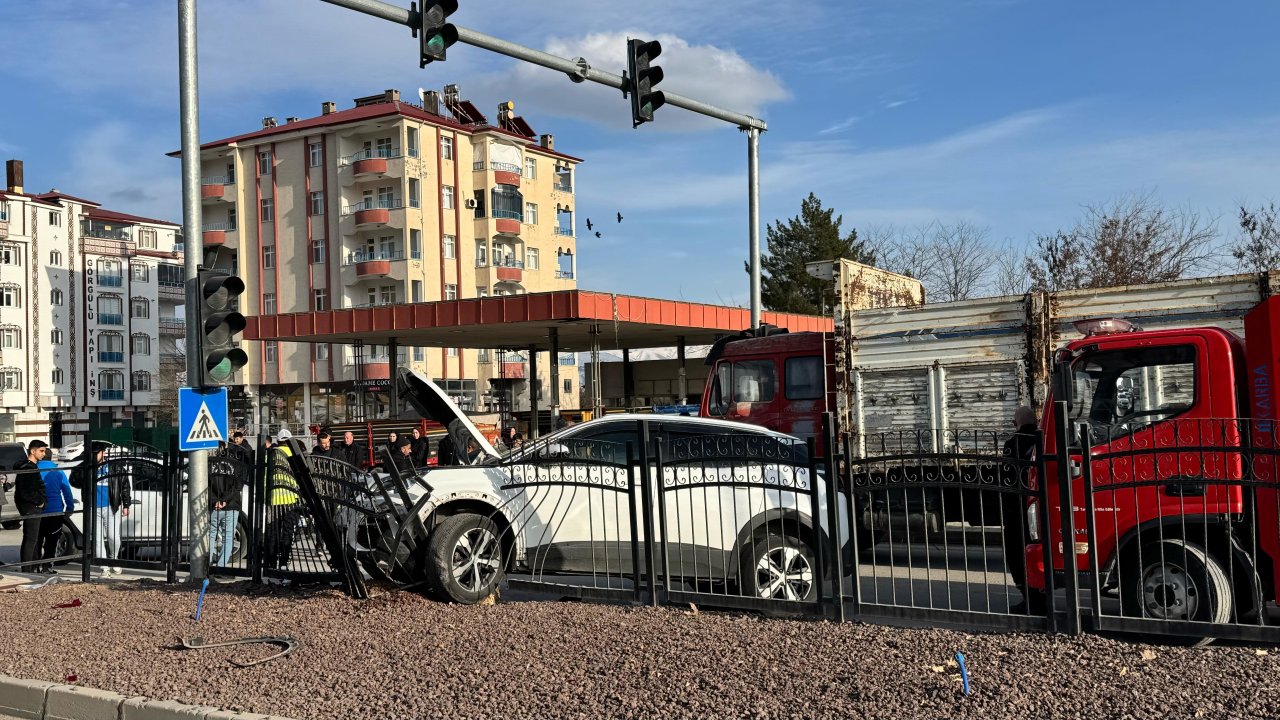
{"x": 402, "y": 16}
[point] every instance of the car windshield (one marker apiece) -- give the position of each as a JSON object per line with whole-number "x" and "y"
{"x": 532, "y": 446}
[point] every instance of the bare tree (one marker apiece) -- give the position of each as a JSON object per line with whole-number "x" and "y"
{"x": 1258, "y": 247}
{"x": 952, "y": 260}
{"x": 1132, "y": 240}
{"x": 1008, "y": 275}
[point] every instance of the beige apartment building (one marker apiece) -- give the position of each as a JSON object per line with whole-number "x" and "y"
{"x": 383, "y": 203}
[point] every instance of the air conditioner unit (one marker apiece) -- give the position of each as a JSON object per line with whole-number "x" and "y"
{"x": 470, "y": 203}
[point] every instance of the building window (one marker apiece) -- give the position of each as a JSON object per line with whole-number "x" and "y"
{"x": 315, "y": 154}
{"x": 452, "y": 352}
{"x": 482, "y": 291}
{"x": 58, "y": 376}
{"x": 55, "y": 258}
{"x": 55, "y": 297}
{"x": 10, "y": 255}
{"x": 531, "y": 259}
{"x": 231, "y": 218}
{"x": 11, "y": 379}
{"x": 387, "y": 295}
{"x": 531, "y": 213}
{"x": 413, "y": 142}
{"x": 450, "y": 246}
{"x": 322, "y": 351}
{"x": 530, "y": 168}
{"x": 482, "y": 253}
{"x": 4, "y": 211}
{"x": 147, "y": 238}
{"x": 450, "y": 292}
{"x": 508, "y": 203}
{"x": 141, "y": 308}
{"x": 478, "y": 198}
{"x": 419, "y": 354}
{"x": 268, "y": 303}
{"x": 446, "y": 147}
{"x": 141, "y": 273}
{"x": 568, "y": 386}
{"x": 482, "y": 355}
{"x": 271, "y": 350}
{"x": 10, "y": 338}
{"x": 317, "y": 203}
{"x": 10, "y": 296}
{"x": 446, "y": 197}
{"x": 268, "y": 256}
{"x": 413, "y": 192}
{"x": 384, "y": 148}
{"x": 110, "y": 310}
{"x": 320, "y": 299}
{"x": 416, "y": 289}
{"x": 55, "y": 218}
{"x": 268, "y": 210}
{"x": 415, "y": 244}
{"x": 140, "y": 344}
{"x": 142, "y": 381}
{"x": 264, "y": 163}
{"x": 55, "y": 337}
{"x": 319, "y": 251}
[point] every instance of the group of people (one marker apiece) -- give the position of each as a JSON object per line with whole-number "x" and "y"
{"x": 45, "y": 498}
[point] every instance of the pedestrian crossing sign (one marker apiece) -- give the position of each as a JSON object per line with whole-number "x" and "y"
{"x": 202, "y": 418}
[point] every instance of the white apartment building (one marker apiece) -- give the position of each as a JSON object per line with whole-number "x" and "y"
{"x": 384, "y": 203}
{"x": 88, "y": 314}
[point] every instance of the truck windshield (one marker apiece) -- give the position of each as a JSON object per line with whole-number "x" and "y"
{"x": 747, "y": 381}
{"x": 1121, "y": 391}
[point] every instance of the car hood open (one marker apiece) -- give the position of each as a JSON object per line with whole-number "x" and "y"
{"x": 432, "y": 403}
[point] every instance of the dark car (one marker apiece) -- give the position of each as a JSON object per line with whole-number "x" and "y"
{"x": 11, "y": 455}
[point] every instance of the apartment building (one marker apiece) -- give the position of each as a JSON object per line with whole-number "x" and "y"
{"x": 382, "y": 203}
{"x": 89, "y": 301}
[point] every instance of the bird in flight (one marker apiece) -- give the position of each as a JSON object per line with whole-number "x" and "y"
{"x": 589, "y": 225}
{"x": 597, "y": 233}
{"x": 619, "y": 217}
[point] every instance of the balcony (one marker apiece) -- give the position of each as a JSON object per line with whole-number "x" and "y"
{"x": 564, "y": 274}
{"x": 564, "y": 231}
{"x": 511, "y": 370}
{"x": 373, "y": 163}
{"x": 507, "y": 222}
{"x": 110, "y": 319}
{"x": 173, "y": 327}
{"x": 172, "y": 292}
{"x": 218, "y": 234}
{"x": 215, "y": 188}
{"x": 110, "y": 357}
{"x": 108, "y": 394}
{"x": 111, "y": 280}
{"x": 563, "y": 187}
{"x": 373, "y": 213}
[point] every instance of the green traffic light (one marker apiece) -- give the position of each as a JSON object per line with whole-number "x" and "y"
{"x": 222, "y": 371}
{"x": 435, "y": 44}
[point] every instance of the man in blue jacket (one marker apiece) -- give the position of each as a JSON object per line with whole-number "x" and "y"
{"x": 58, "y": 499}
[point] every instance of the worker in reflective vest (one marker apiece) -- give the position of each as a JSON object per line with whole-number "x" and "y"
{"x": 283, "y": 513}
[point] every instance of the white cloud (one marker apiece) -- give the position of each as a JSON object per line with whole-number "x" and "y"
{"x": 714, "y": 75}
{"x": 841, "y": 126}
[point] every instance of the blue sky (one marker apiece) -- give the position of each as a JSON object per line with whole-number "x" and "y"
{"x": 1012, "y": 115}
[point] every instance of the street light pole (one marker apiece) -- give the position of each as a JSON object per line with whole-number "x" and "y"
{"x": 193, "y": 249}
{"x": 753, "y": 221}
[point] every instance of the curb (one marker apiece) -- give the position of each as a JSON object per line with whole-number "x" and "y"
{"x": 39, "y": 700}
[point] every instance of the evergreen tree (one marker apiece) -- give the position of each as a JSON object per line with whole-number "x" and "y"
{"x": 812, "y": 236}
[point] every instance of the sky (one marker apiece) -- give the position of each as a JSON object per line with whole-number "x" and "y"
{"x": 1010, "y": 114}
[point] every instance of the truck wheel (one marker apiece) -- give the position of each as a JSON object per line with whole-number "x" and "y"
{"x": 1176, "y": 580}
{"x": 464, "y": 559}
{"x": 779, "y": 567}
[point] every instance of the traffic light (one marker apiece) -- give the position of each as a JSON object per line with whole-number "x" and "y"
{"x": 212, "y": 299}
{"x": 434, "y": 34}
{"x": 643, "y": 77}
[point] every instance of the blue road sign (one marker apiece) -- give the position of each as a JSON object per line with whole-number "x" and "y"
{"x": 202, "y": 418}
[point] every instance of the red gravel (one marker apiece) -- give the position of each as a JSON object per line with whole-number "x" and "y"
{"x": 402, "y": 656}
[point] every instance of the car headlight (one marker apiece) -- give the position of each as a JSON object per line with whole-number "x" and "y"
{"x": 1033, "y": 521}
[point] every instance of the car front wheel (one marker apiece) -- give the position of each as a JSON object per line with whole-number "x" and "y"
{"x": 464, "y": 559}
{"x": 779, "y": 567}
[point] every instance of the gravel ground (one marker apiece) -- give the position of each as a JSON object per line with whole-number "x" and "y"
{"x": 403, "y": 656}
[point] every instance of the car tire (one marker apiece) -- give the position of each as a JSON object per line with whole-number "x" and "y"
{"x": 464, "y": 559}
{"x": 779, "y": 567}
{"x": 240, "y": 543}
{"x": 1176, "y": 580}
{"x": 66, "y": 545}
{"x": 11, "y": 524}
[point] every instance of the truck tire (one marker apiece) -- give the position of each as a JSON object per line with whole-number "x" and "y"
{"x": 1176, "y": 580}
{"x": 778, "y": 567}
{"x": 464, "y": 559}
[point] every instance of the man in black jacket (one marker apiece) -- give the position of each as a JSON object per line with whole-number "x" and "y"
{"x": 351, "y": 451}
{"x": 324, "y": 446}
{"x": 226, "y": 482}
{"x": 30, "y": 499}
{"x": 402, "y": 456}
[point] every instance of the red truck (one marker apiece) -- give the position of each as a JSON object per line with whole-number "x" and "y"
{"x": 1182, "y": 440}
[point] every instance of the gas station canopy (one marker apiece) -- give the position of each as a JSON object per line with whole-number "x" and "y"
{"x": 569, "y": 319}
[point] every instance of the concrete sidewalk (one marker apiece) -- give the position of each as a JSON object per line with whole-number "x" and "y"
{"x": 38, "y": 700}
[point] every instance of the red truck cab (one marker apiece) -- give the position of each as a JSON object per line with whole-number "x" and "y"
{"x": 783, "y": 382}
{"x": 1184, "y": 504}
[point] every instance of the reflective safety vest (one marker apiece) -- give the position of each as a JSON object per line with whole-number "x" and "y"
{"x": 283, "y": 486}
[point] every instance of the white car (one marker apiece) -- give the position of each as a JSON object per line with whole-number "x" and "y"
{"x": 554, "y": 506}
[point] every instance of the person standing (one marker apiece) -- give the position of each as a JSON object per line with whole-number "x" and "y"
{"x": 59, "y": 499}
{"x": 404, "y": 459}
{"x": 112, "y": 497}
{"x": 29, "y": 497}
{"x": 224, "y": 499}
{"x": 350, "y": 450}
{"x": 324, "y": 445}
{"x": 421, "y": 448}
{"x": 282, "y": 505}
{"x": 1020, "y": 446}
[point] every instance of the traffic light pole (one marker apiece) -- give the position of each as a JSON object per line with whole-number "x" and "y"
{"x": 580, "y": 70}
{"x": 193, "y": 251}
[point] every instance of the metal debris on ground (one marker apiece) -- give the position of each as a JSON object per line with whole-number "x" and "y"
{"x": 287, "y": 643}
{"x": 72, "y": 604}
